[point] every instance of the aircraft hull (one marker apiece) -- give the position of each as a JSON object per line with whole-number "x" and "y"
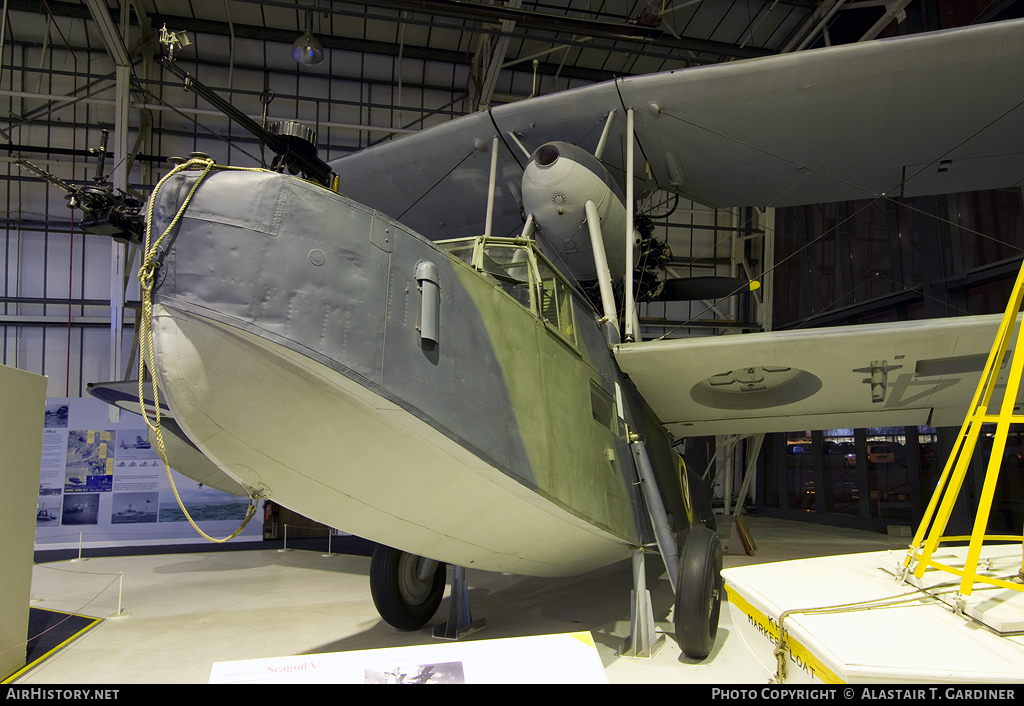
{"x": 286, "y": 329}
{"x": 316, "y": 441}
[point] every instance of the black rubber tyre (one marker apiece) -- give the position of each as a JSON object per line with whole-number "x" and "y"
{"x": 403, "y": 600}
{"x": 698, "y": 592}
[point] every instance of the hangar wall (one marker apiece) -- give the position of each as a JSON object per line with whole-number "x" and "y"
{"x": 894, "y": 260}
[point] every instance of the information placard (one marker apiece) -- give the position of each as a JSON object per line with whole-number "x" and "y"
{"x": 566, "y": 658}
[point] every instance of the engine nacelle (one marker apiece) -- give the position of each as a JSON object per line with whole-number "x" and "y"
{"x": 557, "y": 183}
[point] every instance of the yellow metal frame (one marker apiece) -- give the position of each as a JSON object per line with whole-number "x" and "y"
{"x": 936, "y": 516}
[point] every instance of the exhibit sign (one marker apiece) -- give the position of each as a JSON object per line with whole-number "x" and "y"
{"x": 566, "y": 658}
{"x": 101, "y": 484}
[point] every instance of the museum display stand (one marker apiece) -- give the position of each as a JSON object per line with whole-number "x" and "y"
{"x": 22, "y": 410}
{"x": 959, "y": 610}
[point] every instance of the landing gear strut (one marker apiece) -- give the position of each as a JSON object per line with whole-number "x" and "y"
{"x": 406, "y": 589}
{"x": 695, "y": 573}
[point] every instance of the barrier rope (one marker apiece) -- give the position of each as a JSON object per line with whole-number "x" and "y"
{"x": 146, "y": 276}
{"x": 74, "y": 614}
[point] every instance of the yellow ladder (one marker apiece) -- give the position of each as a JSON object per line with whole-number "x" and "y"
{"x": 929, "y": 533}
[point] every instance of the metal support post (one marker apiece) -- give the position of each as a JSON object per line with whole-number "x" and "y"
{"x": 728, "y": 465}
{"x": 460, "y": 621}
{"x": 631, "y": 330}
{"x": 642, "y": 641}
{"x": 753, "y": 450}
{"x": 120, "y": 592}
{"x": 767, "y": 299}
{"x": 80, "y": 558}
{"x": 118, "y": 251}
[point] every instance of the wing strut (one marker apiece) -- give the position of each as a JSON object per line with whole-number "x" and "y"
{"x": 604, "y": 135}
{"x": 490, "y": 187}
{"x": 604, "y": 277}
{"x": 631, "y": 331}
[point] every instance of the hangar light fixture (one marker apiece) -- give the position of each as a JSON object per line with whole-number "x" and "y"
{"x": 307, "y": 48}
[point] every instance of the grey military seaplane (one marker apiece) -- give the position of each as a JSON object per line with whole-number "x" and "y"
{"x": 352, "y": 341}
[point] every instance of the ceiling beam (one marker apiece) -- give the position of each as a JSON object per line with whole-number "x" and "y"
{"x": 894, "y": 10}
{"x": 578, "y": 26}
{"x": 281, "y": 36}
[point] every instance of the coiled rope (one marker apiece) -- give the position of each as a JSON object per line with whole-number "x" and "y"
{"x": 147, "y": 276}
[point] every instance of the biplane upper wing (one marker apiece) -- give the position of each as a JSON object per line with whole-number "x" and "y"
{"x": 930, "y": 113}
{"x": 908, "y": 373}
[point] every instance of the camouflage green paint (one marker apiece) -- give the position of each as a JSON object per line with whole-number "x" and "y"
{"x": 549, "y": 384}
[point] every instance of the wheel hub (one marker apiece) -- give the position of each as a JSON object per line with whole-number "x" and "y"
{"x": 415, "y": 591}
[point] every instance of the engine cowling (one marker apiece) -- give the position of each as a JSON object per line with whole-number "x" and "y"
{"x": 558, "y": 181}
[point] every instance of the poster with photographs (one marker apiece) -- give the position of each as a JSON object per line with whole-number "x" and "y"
{"x": 89, "y": 465}
{"x": 102, "y": 483}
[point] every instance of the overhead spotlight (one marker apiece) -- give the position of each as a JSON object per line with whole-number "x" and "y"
{"x": 307, "y": 49}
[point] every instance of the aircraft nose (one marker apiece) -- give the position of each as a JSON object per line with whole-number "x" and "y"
{"x": 546, "y": 155}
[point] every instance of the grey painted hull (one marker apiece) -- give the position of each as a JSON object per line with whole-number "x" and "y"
{"x": 285, "y": 323}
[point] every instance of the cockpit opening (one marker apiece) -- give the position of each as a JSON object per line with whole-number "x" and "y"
{"x": 518, "y": 268}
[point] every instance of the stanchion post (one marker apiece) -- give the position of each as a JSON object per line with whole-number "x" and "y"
{"x": 79, "y": 548}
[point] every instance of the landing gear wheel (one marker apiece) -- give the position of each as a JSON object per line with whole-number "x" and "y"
{"x": 699, "y": 592}
{"x": 404, "y": 599}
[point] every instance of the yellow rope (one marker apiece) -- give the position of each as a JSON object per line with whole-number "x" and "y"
{"x": 146, "y": 275}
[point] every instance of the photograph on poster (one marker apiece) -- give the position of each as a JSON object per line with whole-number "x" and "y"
{"x": 137, "y": 447}
{"x": 56, "y": 415}
{"x": 202, "y": 502}
{"x": 134, "y": 508}
{"x": 90, "y": 462}
{"x": 48, "y": 510}
{"x": 446, "y": 673}
{"x": 80, "y": 509}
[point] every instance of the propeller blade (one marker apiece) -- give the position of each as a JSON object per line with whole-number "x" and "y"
{"x": 690, "y": 288}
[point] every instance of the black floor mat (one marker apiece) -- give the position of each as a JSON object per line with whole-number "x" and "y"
{"x": 49, "y": 630}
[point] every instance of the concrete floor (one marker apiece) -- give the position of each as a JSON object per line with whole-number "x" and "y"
{"x": 188, "y": 611}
